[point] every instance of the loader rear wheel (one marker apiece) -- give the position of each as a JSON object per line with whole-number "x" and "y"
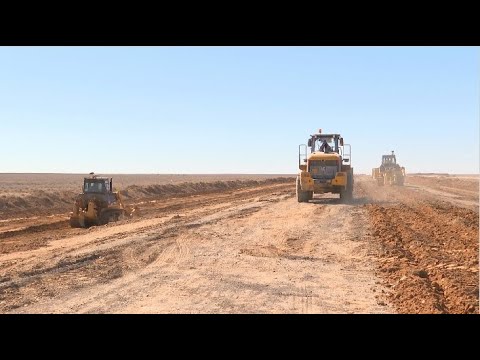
{"x": 347, "y": 193}
{"x": 302, "y": 196}
{"x": 309, "y": 195}
{"x": 350, "y": 185}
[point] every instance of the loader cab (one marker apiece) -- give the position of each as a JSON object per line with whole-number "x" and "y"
{"x": 97, "y": 185}
{"x": 324, "y": 147}
{"x": 327, "y": 143}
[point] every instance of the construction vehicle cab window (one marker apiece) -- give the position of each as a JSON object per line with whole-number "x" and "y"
{"x": 325, "y": 167}
{"x": 96, "y": 186}
{"x": 326, "y": 145}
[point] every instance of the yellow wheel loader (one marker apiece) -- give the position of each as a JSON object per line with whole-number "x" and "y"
{"x": 389, "y": 173}
{"x": 98, "y": 204}
{"x": 325, "y": 167}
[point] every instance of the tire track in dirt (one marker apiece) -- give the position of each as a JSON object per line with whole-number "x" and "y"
{"x": 265, "y": 253}
{"x": 306, "y": 259}
{"x": 33, "y": 236}
{"x": 122, "y": 249}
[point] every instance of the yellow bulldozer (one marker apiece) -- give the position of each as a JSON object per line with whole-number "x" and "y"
{"x": 98, "y": 204}
{"x": 325, "y": 167}
{"x": 389, "y": 173}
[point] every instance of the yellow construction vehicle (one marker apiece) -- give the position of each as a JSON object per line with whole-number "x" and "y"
{"x": 98, "y": 204}
{"x": 389, "y": 173}
{"x": 325, "y": 167}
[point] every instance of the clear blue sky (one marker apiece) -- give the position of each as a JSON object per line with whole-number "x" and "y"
{"x": 235, "y": 109}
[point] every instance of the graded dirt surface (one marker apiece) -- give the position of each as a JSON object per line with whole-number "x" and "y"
{"x": 245, "y": 245}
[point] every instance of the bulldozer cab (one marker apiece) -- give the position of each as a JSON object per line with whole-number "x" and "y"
{"x": 97, "y": 185}
{"x": 389, "y": 161}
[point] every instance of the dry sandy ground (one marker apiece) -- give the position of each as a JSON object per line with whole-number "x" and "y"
{"x": 255, "y": 249}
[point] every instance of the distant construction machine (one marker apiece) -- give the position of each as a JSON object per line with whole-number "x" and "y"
{"x": 389, "y": 173}
{"x": 98, "y": 204}
{"x": 325, "y": 167}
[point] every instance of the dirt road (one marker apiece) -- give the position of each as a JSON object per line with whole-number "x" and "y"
{"x": 253, "y": 250}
